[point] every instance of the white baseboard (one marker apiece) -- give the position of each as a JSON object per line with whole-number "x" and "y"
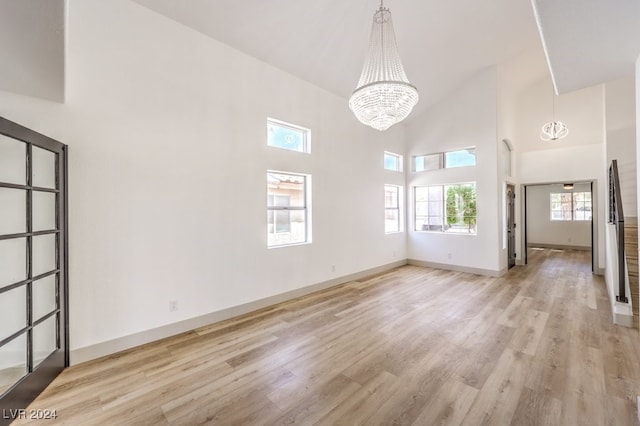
{"x": 109, "y": 347}
{"x": 559, "y": 246}
{"x": 458, "y": 268}
{"x": 622, "y": 314}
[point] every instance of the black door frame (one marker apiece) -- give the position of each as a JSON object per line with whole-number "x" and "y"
{"x": 21, "y": 394}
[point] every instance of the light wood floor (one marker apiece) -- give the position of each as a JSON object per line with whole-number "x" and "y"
{"x": 413, "y": 346}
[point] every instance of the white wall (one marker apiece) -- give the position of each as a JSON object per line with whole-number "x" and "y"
{"x": 464, "y": 119}
{"x": 620, "y": 111}
{"x": 637, "y": 101}
{"x": 168, "y": 160}
{"x": 572, "y": 164}
{"x": 166, "y": 129}
{"x": 620, "y": 145}
{"x": 580, "y": 157}
{"x": 541, "y": 230}
{"x": 514, "y": 75}
{"x": 505, "y": 134}
{"x": 582, "y": 111}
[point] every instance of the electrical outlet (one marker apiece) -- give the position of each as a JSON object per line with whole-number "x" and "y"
{"x": 449, "y": 256}
{"x": 173, "y": 305}
{"x": 394, "y": 253}
{"x": 333, "y": 268}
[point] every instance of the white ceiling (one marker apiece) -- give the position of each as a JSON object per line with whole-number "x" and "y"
{"x": 442, "y": 43}
{"x": 589, "y": 42}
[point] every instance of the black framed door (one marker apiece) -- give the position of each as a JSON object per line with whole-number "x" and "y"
{"x": 34, "y": 338}
{"x": 525, "y": 244}
{"x": 511, "y": 226}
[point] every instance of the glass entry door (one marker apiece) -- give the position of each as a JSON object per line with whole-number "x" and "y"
{"x": 33, "y": 264}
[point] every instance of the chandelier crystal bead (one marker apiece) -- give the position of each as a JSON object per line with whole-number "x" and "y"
{"x": 384, "y": 96}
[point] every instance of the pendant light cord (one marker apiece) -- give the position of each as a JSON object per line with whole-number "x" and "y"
{"x": 553, "y": 104}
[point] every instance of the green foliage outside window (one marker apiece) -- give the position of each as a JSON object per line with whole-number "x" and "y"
{"x": 461, "y": 206}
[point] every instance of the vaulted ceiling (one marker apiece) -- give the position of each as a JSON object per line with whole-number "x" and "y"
{"x": 589, "y": 42}
{"x": 442, "y": 43}
{"x": 32, "y": 48}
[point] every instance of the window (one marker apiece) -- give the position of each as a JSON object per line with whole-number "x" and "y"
{"x": 288, "y": 136}
{"x": 571, "y": 206}
{"x": 582, "y": 206}
{"x": 280, "y": 220}
{"x": 506, "y": 158}
{"x": 392, "y": 202}
{"x": 287, "y": 208}
{"x": 446, "y": 208}
{"x": 561, "y": 206}
{"x": 392, "y": 161}
{"x": 445, "y": 160}
{"x": 461, "y": 158}
{"x": 427, "y": 162}
{"x": 429, "y": 208}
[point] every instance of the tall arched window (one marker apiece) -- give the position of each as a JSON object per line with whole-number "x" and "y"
{"x": 506, "y": 157}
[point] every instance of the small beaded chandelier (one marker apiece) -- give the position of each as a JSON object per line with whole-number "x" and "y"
{"x": 384, "y": 95}
{"x": 553, "y": 130}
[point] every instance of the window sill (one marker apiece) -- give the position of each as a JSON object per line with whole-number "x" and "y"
{"x": 289, "y": 245}
{"x": 469, "y": 234}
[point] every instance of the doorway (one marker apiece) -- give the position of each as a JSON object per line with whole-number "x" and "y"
{"x": 511, "y": 226}
{"x": 560, "y": 216}
{"x": 34, "y": 338}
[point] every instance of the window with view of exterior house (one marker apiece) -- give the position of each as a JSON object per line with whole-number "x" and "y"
{"x": 392, "y": 203}
{"x": 287, "y": 208}
{"x": 445, "y": 208}
{"x": 392, "y": 161}
{"x": 288, "y": 136}
{"x": 571, "y": 206}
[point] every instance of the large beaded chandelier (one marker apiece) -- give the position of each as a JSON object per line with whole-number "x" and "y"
{"x": 384, "y": 95}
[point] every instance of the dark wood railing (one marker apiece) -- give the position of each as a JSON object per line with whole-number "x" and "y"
{"x": 616, "y": 217}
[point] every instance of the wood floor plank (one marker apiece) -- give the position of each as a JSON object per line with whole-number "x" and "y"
{"x": 484, "y": 355}
{"x": 356, "y": 408}
{"x": 498, "y": 399}
{"x": 421, "y": 382}
{"x": 546, "y": 378}
{"x": 450, "y": 405}
{"x": 586, "y": 409}
{"x": 529, "y": 331}
{"x": 411, "y": 345}
{"x": 317, "y": 404}
{"x": 537, "y": 409}
{"x": 514, "y": 313}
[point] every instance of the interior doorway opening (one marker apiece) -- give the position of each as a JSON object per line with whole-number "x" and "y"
{"x": 560, "y": 216}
